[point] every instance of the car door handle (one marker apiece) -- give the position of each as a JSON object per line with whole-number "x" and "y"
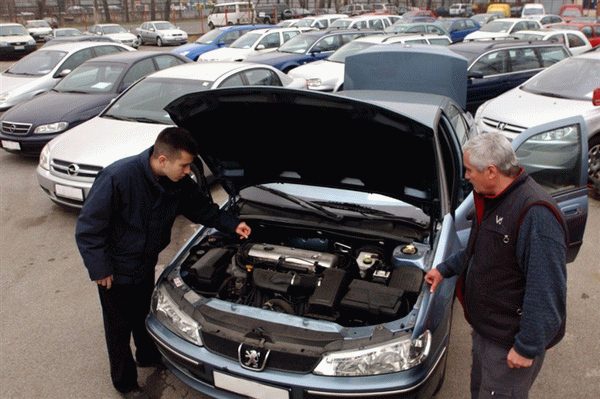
{"x": 571, "y": 210}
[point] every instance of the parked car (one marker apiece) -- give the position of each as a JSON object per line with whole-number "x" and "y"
{"x": 273, "y": 13}
{"x": 15, "y": 40}
{"x": 483, "y": 19}
{"x": 502, "y": 28}
{"x": 308, "y": 47}
{"x": 327, "y": 298}
{"x": 41, "y": 70}
{"x": 461, "y": 10}
{"x": 362, "y": 22}
{"x": 26, "y": 128}
{"x": 66, "y": 32}
{"x": 590, "y": 29}
{"x": 319, "y": 21}
{"x": 531, "y": 9}
{"x": 569, "y": 88}
{"x": 115, "y": 32}
{"x": 575, "y": 41}
{"x": 214, "y": 39}
{"x": 255, "y": 42}
{"x": 130, "y": 124}
{"x": 497, "y": 66}
{"x": 160, "y": 33}
{"x": 418, "y": 16}
{"x": 233, "y": 13}
{"x": 547, "y": 20}
{"x": 39, "y": 29}
{"x": 458, "y": 27}
{"x": 327, "y": 75}
{"x": 569, "y": 12}
{"x": 417, "y": 27}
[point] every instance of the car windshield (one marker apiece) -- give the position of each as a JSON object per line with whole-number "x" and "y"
{"x": 347, "y": 50}
{"x": 497, "y": 26}
{"x": 38, "y": 63}
{"x": 574, "y": 78}
{"x": 446, "y": 23}
{"x": 113, "y": 29}
{"x": 164, "y": 26}
{"x": 305, "y": 22}
{"x": 13, "y": 30}
{"x": 209, "y": 37}
{"x": 299, "y": 44}
{"x": 67, "y": 32}
{"x": 94, "y": 78}
{"x": 246, "y": 41}
{"x": 145, "y": 102}
{"x": 341, "y": 23}
{"x": 38, "y": 24}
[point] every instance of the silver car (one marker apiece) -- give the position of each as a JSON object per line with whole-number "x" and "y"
{"x": 160, "y": 33}
{"x": 69, "y": 163}
{"x": 41, "y": 70}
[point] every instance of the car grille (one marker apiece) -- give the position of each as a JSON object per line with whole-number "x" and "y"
{"x": 281, "y": 361}
{"x": 18, "y": 129}
{"x": 502, "y": 126}
{"x": 66, "y": 168}
{"x": 18, "y": 43}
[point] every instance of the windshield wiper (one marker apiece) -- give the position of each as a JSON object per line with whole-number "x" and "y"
{"x": 303, "y": 203}
{"x": 369, "y": 212}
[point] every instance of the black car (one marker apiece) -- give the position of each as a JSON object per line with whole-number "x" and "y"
{"x": 81, "y": 95}
{"x": 500, "y": 65}
{"x": 273, "y": 13}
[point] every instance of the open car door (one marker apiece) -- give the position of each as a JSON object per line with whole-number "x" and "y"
{"x": 555, "y": 156}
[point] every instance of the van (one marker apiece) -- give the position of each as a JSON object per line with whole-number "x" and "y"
{"x": 461, "y": 10}
{"x": 532, "y": 9}
{"x": 499, "y": 7}
{"x": 236, "y": 13}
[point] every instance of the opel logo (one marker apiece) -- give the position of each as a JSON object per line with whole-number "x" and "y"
{"x": 73, "y": 169}
{"x": 501, "y": 126}
{"x": 9, "y": 128}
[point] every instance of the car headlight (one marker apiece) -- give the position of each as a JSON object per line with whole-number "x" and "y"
{"x": 312, "y": 83}
{"x": 45, "y": 158}
{"x": 4, "y": 97}
{"x": 174, "y": 318}
{"x": 567, "y": 133}
{"x": 394, "y": 356}
{"x": 51, "y": 128}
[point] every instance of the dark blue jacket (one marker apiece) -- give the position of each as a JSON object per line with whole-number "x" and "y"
{"x": 127, "y": 218}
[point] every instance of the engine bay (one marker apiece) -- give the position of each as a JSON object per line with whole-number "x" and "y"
{"x": 350, "y": 281}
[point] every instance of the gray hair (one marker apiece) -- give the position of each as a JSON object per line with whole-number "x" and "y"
{"x": 492, "y": 149}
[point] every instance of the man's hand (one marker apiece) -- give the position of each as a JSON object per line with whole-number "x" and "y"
{"x": 516, "y": 361}
{"x": 243, "y": 230}
{"x": 105, "y": 282}
{"x": 433, "y": 277}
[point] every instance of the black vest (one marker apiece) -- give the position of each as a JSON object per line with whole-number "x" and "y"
{"x": 495, "y": 283}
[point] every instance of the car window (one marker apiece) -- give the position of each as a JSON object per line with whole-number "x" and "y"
{"x": 519, "y": 26}
{"x": 587, "y": 30}
{"x": 91, "y": 78}
{"x": 523, "y": 59}
{"x": 416, "y": 41}
{"x": 440, "y": 42}
{"x": 418, "y": 29}
{"x": 574, "y": 40}
{"x": 103, "y": 50}
{"x": 435, "y": 29}
{"x": 233, "y": 81}
{"x": 492, "y": 63}
{"x": 76, "y": 59}
{"x": 139, "y": 70}
{"x": 557, "y": 38}
{"x": 566, "y": 142}
{"x": 551, "y": 55}
{"x": 288, "y": 35}
{"x": 470, "y": 24}
{"x": 270, "y": 41}
{"x": 262, "y": 77}
{"x": 329, "y": 43}
{"x": 166, "y": 61}
{"x": 458, "y": 122}
{"x": 230, "y": 37}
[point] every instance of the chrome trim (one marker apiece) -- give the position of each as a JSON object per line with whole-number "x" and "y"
{"x": 171, "y": 350}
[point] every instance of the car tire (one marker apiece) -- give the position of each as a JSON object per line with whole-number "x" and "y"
{"x": 211, "y": 26}
{"x": 159, "y": 42}
{"x": 141, "y": 41}
{"x": 594, "y": 159}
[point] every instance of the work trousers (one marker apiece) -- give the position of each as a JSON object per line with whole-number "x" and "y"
{"x": 491, "y": 378}
{"x": 124, "y": 309}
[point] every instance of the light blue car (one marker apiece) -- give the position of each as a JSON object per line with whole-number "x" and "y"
{"x": 214, "y": 39}
{"x": 327, "y": 298}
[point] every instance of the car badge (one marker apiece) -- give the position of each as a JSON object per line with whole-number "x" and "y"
{"x": 501, "y": 126}
{"x": 252, "y": 358}
{"x": 73, "y": 169}
{"x": 9, "y": 128}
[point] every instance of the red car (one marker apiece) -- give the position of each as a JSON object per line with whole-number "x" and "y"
{"x": 590, "y": 29}
{"x": 568, "y": 12}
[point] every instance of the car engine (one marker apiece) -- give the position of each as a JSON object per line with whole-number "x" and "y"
{"x": 344, "y": 281}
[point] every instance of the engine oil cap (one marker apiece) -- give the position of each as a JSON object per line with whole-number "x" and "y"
{"x": 409, "y": 249}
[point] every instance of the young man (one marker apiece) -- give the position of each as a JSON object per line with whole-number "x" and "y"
{"x": 513, "y": 270}
{"x": 124, "y": 224}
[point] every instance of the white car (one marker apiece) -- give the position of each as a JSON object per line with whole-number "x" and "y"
{"x": 362, "y": 22}
{"x": 319, "y": 21}
{"x": 255, "y": 42}
{"x": 328, "y": 74}
{"x": 15, "y": 40}
{"x": 41, "y": 70}
{"x": 568, "y": 88}
{"x": 69, "y": 163}
{"x": 115, "y": 32}
{"x": 160, "y": 33}
{"x": 39, "y": 29}
{"x": 502, "y": 28}
{"x": 574, "y": 40}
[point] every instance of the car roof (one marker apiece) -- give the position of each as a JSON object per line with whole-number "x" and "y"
{"x": 202, "y": 71}
{"x": 129, "y": 57}
{"x": 473, "y": 49}
{"x": 73, "y": 46}
{"x": 377, "y": 39}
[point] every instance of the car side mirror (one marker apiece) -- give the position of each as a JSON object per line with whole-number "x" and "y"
{"x": 63, "y": 73}
{"x": 596, "y": 97}
{"x": 475, "y": 75}
{"x": 260, "y": 47}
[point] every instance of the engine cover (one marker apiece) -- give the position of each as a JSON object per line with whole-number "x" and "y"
{"x": 293, "y": 258}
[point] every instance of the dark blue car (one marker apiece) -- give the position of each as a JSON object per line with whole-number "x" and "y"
{"x": 308, "y": 47}
{"x": 459, "y": 27}
{"x": 216, "y": 38}
{"x": 498, "y": 66}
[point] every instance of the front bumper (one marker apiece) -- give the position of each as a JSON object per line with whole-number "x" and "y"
{"x": 25, "y": 145}
{"x": 63, "y": 191}
{"x": 16, "y": 49}
{"x": 217, "y": 376}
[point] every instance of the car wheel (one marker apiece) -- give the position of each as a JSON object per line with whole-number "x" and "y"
{"x": 141, "y": 41}
{"x": 211, "y": 26}
{"x": 159, "y": 42}
{"x": 594, "y": 159}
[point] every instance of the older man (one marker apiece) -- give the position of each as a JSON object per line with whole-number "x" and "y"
{"x": 513, "y": 271}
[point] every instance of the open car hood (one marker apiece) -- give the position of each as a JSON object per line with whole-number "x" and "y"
{"x": 272, "y": 134}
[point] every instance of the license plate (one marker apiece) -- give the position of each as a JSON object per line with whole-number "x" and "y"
{"x": 248, "y": 388}
{"x": 69, "y": 192}
{"x": 19, "y": 47}
{"x": 11, "y": 145}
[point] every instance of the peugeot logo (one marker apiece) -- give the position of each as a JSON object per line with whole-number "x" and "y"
{"x": 252, "y": 358}
{"x": 501, "y": 126}
{"x": 73, "y": 169}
